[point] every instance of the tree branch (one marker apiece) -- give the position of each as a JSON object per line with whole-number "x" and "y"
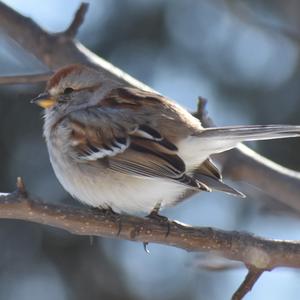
{"x": 255, "y": 252}
{"x": 55, "y": 50}
{"x": 247, "y": 284}
{"x": 26, "y": 78}
{"x": 244, "y": 164}
{"x": 78, "y": 20}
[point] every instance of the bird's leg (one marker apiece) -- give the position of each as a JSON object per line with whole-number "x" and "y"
{"x": 154, "y": 213}
{"x": 155, "y": 216}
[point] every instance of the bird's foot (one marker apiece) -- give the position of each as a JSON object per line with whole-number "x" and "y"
{"x": 108, "y": 212}
{"x": 162, "y": 219}
{"x": 155, "y": 216}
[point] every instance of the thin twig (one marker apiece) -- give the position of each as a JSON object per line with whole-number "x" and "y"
{"x": 25, "y": 79}
{"x": 78, "y": 20}
{"x": 202, "y": 113}
{"x": 249, "y": 281}
{"x": 21, "y": 187}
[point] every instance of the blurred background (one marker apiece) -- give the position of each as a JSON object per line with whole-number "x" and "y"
{"x": 243, "y": 56}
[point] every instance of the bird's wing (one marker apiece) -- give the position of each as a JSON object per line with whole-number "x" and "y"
{"x": 129, "y": 148}
{"x": 209, "y": 174}
{"x": 134, "y": 148}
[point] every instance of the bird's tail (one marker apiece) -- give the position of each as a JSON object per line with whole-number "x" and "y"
{"x": 224, "y": 138}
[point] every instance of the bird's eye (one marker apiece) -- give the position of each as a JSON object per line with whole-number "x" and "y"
{"x": 68, "y": 90}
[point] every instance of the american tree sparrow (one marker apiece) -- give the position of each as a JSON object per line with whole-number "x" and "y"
{"x": 121, "y": 148}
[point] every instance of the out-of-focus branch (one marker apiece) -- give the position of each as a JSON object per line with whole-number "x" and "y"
{"x": 244, "y": 164}
{"x": 246, "y": 286}
{"x": 78, "y": 20}
{"x": 56, "y": 50}
{"x": 26, "y": 78}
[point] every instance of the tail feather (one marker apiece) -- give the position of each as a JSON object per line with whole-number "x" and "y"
{"x": 219, "y": 139}
{"x": 251, "y": 133}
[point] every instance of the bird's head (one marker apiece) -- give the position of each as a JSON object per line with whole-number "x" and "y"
{"x": 71, "y": 86}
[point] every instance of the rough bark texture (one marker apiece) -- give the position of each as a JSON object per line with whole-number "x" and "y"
{"x": 261, "y": 253}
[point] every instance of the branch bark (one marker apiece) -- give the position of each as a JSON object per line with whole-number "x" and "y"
{"x": 246, "y": 286}
{"x": 255, "y": 252}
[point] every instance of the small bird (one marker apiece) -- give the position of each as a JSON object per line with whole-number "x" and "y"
{"x": 132, "y": 151}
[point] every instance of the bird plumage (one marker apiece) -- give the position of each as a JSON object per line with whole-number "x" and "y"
{"x": 119, "y": 147}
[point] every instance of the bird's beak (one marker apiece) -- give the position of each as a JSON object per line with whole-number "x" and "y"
{"x": 44, "y": 100}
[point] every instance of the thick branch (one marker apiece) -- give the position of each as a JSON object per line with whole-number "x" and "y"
{"x": 244, "y": 164}
{"x": 55, "y": 50}
{"x": 257, "y": 252}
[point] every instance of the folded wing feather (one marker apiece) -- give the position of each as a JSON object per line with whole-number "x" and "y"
{"x": 139, "y": 150}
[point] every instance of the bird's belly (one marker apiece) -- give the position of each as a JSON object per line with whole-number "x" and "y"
{"x": 123, "y": 193}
